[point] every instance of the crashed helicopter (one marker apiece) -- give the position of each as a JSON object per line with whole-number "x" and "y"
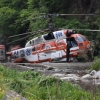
{"x": 61, "y": 45}
{"x": 56, "y": 46}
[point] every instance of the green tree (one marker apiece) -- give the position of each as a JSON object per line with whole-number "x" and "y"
{"x": 7, "y": 18}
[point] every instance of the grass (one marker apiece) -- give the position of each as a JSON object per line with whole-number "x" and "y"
{"x": 34, "y": 86}
{"x": 2, "y": 87}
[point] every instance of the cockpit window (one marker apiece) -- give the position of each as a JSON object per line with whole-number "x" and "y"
{"x": 79, "y": 39}
{"x": 84, "y": 38}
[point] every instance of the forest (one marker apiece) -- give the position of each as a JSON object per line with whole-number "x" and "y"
{"x": 22, "y": 16}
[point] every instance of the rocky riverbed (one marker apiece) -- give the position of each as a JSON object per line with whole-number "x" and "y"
{"x": 78, "y": 73}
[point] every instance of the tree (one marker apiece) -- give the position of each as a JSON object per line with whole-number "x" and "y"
{"x": 7, "y": 18}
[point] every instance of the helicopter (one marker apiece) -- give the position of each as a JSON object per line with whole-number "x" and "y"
{"x": 38, "y": 50}
{"x": 60, "y": 45}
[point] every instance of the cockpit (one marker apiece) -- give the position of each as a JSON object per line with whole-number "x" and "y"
{"x": 81, "y": 38}
{"x": 75, "y": 41}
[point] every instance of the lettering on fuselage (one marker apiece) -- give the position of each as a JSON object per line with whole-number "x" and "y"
{"x": 16, "y": 54}
{"x": 58, "y": 34}
{"x": 22, "y": 53}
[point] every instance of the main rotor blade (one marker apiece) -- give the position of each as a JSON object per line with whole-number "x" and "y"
{"x": 35, "y": 33}
{"x": 42, "y": 31}
{"x": 46, "y": 14}
{"x": 18, "y": 40}
{"x": 19, "y": 34}
{"x": 24, "y": 33}
{"x": 80, "y": 29}
{"x": 78, "y": 14}
{"x": 87, "y": 30}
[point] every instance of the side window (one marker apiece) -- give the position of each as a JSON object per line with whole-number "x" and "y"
{"x": 49, "y": 36}
{"x": 47, "y": 46}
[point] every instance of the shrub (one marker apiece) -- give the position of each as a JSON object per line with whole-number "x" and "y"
{"x": 96, "y": 64}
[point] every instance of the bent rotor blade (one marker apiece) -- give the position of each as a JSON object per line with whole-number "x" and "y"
{"x": 70, "y": 14}
{"x": 35, "y": 33}
{"x": 26, "y": 33}
{"x": 19, "y": 34}
{"x": 19, "y": 39}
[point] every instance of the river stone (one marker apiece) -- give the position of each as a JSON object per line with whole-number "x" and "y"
{"x": 93, "y": 75}
{"x": 87, "y": 76}
{"x": 58, "y": 75}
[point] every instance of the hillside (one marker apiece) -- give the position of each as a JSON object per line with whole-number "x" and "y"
{"x": 16, "y": 17}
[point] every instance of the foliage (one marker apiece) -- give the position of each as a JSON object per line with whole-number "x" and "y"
{"x": 96, "y": 64}
{"x": 7, "y": 17}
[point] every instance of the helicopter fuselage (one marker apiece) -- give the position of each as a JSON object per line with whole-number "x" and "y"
{"x": 54, "y": 50}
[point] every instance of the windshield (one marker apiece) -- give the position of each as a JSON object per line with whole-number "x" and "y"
{"x": 84, "y": 38}
{"x": 79, "y": 39}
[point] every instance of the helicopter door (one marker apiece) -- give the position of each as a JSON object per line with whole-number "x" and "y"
{"x": 44, "y": 56}
{"x": 73, "y": 42}
{"x": 56, "y": 55}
